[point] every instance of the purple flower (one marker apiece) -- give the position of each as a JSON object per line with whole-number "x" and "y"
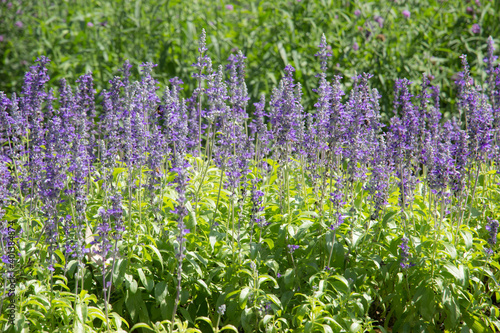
{"x": 90, "y": 24}
{"x": 287, "y": 119}
{"x": 355, "y": 46}
{"x": 229, "y": 7}
{"x": 406, "y": 13}
{"x": 492, "y": 228}
{"x": 5, "y": 259}
{"x": 257, "y": 207}
{"x": 1, "y": 38}
{"x": 379, "y": 20}
{"x": 292, "y": 248}
{"x": 476, "y": 28}
{"x": 357, "y": 12}
{"x": 479, "y": 114}
{"x": 18, "y": 24}
{"x": 405, "y": 253}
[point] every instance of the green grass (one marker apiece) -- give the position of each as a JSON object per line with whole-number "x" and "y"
{"x": 271, "y": 34}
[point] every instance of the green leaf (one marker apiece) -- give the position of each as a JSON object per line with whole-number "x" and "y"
{"x": 212, "y": 240}
{"x": 118, "y": 319}
{"x": 274, "y": 299}
{"x": 266, "y": 319}
{"x": 265, "y": 277}
{"x": 78, "y": 327}
{"x": 228, "y": 327}
{"x": 291, "y": 228}
{"x": 269, "y": 243}
{"x": 340, "y": 284}
{"x": 81, "y": 312}
{"x": 204, "y": 285}
{"x": 288, "y": 276}
{"x": 475, "y": 323}
{"x": 205, "y": 319}
{"x": 450, "y": 249}
{"x": 303, "y": 229}
{"x": 158, "y": 254}
{"x": 388, "y": 217}
{"x": 451, "y": 306}
{"x": 37, "y": 303}
{"x": 355, "y": 327}
{"x": 146, "y": 282}
{"x": 244, "y": 297}
{"x": 186, "y": 314}
{"x": 140, "y": 325}
{"x": 456, "y": 273}
{"x": 467, "y": 236}
{"x": 161, "y": 290}
{"x": 132, "y": 285}
{"x": 94, "y": 312}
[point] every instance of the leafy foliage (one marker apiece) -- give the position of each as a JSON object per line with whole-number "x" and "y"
{"x": 177, "y": 215}
{"x": 82, "y": 36}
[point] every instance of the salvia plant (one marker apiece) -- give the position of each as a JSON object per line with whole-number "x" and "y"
{"x": 170, "y": 212}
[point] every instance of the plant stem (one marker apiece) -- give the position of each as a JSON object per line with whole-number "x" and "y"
{"x": 177, "y": 297}
{"x": 104, "y": 289}
{"x": 218, "y": 197}
{"x": 473, "y": 194}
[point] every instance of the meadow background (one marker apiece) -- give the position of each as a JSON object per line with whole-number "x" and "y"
{"x": 234, "y": 228}
{"x": 365, "y": 36}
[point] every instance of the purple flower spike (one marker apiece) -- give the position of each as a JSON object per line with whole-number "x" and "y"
{"x": 492, "y": 228}
{"x": 405, "y": 253}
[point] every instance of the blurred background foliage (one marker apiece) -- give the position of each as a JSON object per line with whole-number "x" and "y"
{"x": 389, "y": 39}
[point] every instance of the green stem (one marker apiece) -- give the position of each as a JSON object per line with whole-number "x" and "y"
{"x": 140, "y": 200}
{"x": 473, "y": 194}
{"x": 218, "y": 197}
{"x": 104, "y": 289}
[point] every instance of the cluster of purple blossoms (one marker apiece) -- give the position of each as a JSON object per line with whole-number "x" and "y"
{"x": 379, "y": 181}
{"x": 292, "y": 248}
{"x": 286, "y": 116}
{"x": 256, "y": 216}
{"x": 340, "y": 144}
{"x": 5, "y": 228}
{"x": 405, "y": 253}
{"x": 492, "y": 228}
{"x": 478, "y": 113}
{"x": 258, "y": 128}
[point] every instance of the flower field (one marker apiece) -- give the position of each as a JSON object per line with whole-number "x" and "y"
{"x": 148, "y": 209}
